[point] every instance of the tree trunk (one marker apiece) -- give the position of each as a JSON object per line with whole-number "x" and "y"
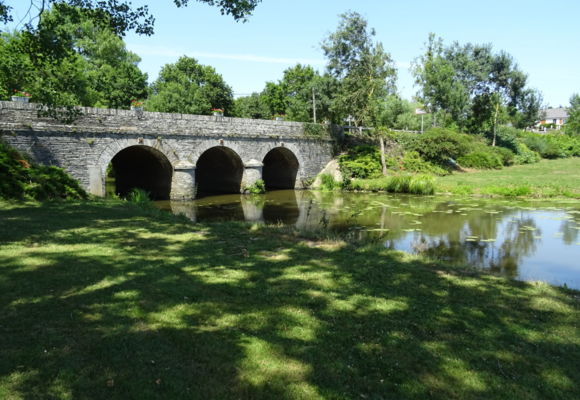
{"x": 383, "y": 162}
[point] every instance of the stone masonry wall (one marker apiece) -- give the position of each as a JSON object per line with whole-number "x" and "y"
{"x": 85, "y": 148}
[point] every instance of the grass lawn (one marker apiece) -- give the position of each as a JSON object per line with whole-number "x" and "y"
{"x": 548, "y": 178}
{"x": 103, "y": 301}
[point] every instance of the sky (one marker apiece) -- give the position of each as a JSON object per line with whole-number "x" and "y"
{"x": 542, "y": 36}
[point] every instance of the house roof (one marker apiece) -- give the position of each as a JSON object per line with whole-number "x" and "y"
{"x": 555, "y": 113}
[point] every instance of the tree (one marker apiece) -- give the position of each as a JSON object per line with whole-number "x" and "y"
{"x": 472, "y": 87}
{"x": 120, "y": 15}
{"x": 190, "y": 88}
{"x": 253, "y": 106}
{"x": 365, "y": 72}
{"x": 573, "y": 123}
{"x": 93, "y": 67}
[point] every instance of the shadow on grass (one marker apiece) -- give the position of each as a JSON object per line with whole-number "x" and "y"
{"x": 100, "y": 301}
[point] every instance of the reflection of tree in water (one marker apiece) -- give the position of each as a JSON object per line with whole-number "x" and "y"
{"x": 518, "y": 241}
{"x": 569, "y": 229}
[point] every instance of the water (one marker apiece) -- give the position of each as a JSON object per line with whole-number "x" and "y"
{"x": 518, "y": 239}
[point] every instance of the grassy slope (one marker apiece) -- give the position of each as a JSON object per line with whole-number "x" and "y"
{"x": 101, "y": 301}
{"x": 546, "y": 178}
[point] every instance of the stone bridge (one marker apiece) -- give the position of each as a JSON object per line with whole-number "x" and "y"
{"x": 172, "y": 156}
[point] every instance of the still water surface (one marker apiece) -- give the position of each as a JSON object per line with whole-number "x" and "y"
{"x": 519, "y": 239}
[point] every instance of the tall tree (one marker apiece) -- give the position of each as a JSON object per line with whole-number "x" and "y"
{"x": 93, "y": 67}
{"x": 365, "y": 71}
{"x": 191, "y": 88}
{"x": 573, "y": 124}
{"x": 473, "y": 87}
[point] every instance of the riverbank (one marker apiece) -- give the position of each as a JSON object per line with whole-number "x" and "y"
{"x": 547, "y": 178}
{"x": 106, "y": 300}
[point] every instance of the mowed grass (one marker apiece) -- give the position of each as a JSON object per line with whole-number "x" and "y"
{"x": 107, "y": 301}
{"x": 548, "y": 178}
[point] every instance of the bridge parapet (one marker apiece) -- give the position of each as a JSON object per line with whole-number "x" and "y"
{"x": 18, "y": 116}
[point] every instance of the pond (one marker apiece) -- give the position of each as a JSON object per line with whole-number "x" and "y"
{"x": 519, "y": 239}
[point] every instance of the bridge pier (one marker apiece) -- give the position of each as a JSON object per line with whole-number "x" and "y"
{"x": 252, "y": 172}
{"x": 183, "y": 182}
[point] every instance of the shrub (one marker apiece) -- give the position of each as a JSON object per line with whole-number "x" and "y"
{"x": 438, "y": 145}
{"x": 526, "y": 156}
{"x": 507, "y": 137}
{"x": 258, "y": 187}
{"x": 481, "y": 160}
{"x": 412, "y": 162}
{"x": 506, "y": 155}
{"x": 21, "y": 179}
{"x": 139, "y": 196}
{"x": 361, "y": 162}
{"x": 328, "y": 183}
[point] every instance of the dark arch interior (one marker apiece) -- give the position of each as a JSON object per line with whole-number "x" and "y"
{"x": 280, "y": 169}
{"x": 218, "y": 171}
{"x": 144, "y": 168}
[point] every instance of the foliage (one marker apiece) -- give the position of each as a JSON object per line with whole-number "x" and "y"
{"x": 327, "y": 183}
{"x": 120, "y": 15}
{"x": 474, "y": 87}
{"x": 361, "y": 162}
{"x": 85, "y": 64}
{"x": 506, "y": 156}
{"x": 140, "y": 197}
{"x": 573, "y": 124}
{"x": 481, "y": 160}
{"x": 292, "y": 95}
{"x": 411, "y": 161}
{"x": 316, "y": 130}
{"x": 412, "y": 184}
{"x": 253, "y": 106}
{"x": 190, "y": 88}
{"x": 438, "y": 145}
{"x": 552, "y": 145}
{"x": 257, "y": 187}
{"x": 526, "y": 156}
{"x": 366, "y": 73}
{"x": 21, "y": 179}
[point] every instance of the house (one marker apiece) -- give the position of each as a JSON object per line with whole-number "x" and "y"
{"x": 553, "y": 118}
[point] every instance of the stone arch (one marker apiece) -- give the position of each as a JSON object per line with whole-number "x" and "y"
{"x": 145, "y": 164}
{"x": 218, "y": 170}
{"x": 280, "y": 169}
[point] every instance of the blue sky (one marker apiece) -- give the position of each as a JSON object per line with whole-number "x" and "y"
{"x": 543, "y": 37}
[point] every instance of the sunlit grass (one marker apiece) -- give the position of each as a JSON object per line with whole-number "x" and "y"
{"x": 548, "y": 178}
{"x": 105, "y": 300}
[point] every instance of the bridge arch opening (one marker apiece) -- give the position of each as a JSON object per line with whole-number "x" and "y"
{"x": 280, "y": 169}
{"x": 140, "y": 167}
{"x": 219, "y": 170}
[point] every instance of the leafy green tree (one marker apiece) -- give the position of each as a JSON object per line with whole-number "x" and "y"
{"x": 472, "y": 87}
{"x": 190, "y": 88}
{"x": 93, "y": 67}
{"x": 573, "y": 123}
{"x": 365, "y": 72}
{"x": 121, "y": 16}
{"x": 253, "y": 106}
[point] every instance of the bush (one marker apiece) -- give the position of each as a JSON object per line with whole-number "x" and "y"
{"x": 258, "y": 187}
{"x": 506, "y": 155}
{"x": 328, "y": 183}
{"x": 481, "y": 160}
{"x": 412, "y": 162}
{"x": 552, "y": 145}
{"x": 21, "y": 179}
{"x": 507, "y": 137}
{"x": 526, "y": 156}
{"x": 439, "y": 145}
{"x": 361, "y": 162}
